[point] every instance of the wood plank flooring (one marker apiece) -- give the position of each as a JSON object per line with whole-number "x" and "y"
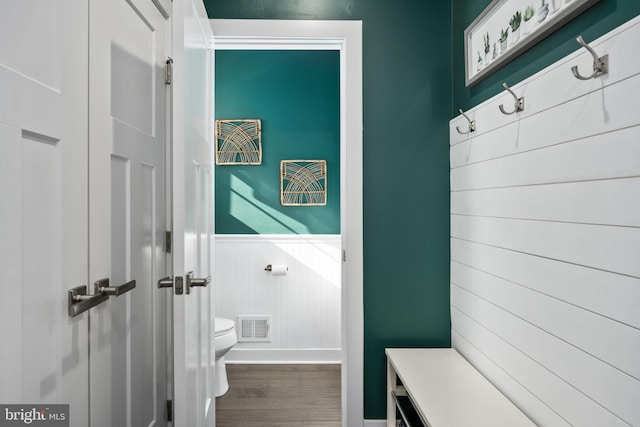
{"x": 281, "y": 396}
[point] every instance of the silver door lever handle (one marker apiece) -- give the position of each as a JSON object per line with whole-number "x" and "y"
{"x": 102, "y": 287}
{"x": 201, "y": 282}
{"x": 79, "y": 301}
{"x": 197, "y": 282}
{"x": 166, "y": 282}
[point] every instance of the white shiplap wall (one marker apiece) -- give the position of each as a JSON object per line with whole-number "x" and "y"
{"x": 304, "y": 305}
{"x": 545, "y": 240}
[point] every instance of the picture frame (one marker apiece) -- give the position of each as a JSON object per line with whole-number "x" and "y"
{"x": 507, "y": 28}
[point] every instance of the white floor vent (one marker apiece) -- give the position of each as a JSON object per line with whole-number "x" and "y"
{"x": 254, "y": 328}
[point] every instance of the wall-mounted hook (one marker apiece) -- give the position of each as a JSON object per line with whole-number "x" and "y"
{"x": 600, "y": 64}
{"x": 472, "y": 124}
{"x": 519, "y": 102}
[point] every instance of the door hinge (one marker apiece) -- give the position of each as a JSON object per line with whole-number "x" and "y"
{"x": 169, "y": 410}
{"x": 344, "y": 255}
{"x": 168, "y": 239}
{"x": 168, "y": 71}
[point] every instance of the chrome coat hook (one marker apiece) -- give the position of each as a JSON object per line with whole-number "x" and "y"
{"x": 472, "y": 124}
{"x": 600, "y": 64}
{"x": 518, "y": 105}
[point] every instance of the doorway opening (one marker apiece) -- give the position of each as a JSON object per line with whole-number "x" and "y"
{"x": 346, "y": 38}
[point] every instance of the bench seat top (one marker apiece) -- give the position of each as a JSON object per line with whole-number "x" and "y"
{"x": 449, "y": 391}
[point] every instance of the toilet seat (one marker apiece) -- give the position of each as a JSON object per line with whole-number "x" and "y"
{"x": 223, "y": 326}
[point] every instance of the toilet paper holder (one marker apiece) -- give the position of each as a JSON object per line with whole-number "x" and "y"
{"x": 270, "y": 268}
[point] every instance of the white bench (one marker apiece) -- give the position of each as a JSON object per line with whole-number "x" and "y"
{"x": 437, "y": 387}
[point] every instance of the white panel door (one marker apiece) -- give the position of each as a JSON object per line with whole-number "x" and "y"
{"x": 192, "y": 215}
{"x": 43, "y": 199}
{"x": 127, "y": 211}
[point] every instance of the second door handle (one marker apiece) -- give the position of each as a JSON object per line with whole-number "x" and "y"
{"x": 197, "y": 282}
{"x": 79, "y": 301}
{"x": 102, "y": 287}
{"x": 175, "y": 283}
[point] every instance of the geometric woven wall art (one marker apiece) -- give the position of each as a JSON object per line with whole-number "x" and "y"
{"x": 303, "y": 182}
{"x": 238, "y": 142}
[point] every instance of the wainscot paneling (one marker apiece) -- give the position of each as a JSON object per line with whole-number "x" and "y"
{"x": 598, "y": 381}
{"x": 612, "y": 296}
{"x": 596, "y": 335}
{"x": 304, "y": 305}
{"x": 604, "y": 247}
{"x": 593, "y": 202}
{"x": 545, "y": 240}
{"x": 509, "y": 385}
{"x": 594, "y": 113}
{"x": 568, "y": 162}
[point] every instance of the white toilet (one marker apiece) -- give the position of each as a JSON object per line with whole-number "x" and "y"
{"x": 225, "y": 338}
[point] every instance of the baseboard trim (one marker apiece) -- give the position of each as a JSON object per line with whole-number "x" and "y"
{"x": 374, "y": 423}
{"x": 275, "y": 356}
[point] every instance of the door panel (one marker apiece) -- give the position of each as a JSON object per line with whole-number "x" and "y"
{"x": 120, "y": 309}
{"x": 10, "y": 257}
{"x": 193, "y": 214}
{"x": 41, "y": 35}
{"x": 41, "y": 240}
{"x": 43, "y": 221}
{"x": 127, "y": 211}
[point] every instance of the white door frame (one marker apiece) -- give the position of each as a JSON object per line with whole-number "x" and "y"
{"x": 345, "y": 36}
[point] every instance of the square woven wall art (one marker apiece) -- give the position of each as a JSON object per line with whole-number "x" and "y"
{"x": 303, "y": 182}
{"x": 238, "y": 142}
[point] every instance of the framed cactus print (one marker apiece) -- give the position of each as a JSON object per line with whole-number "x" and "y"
{"x": 507, "y": 28}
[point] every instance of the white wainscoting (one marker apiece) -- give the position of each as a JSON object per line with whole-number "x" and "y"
{"x": 374, "y": 423}
{"x": 545, "y": 240}
{"x": 304, "y": 305}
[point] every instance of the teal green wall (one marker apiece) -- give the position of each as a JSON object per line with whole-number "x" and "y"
{"x": 296, "y": 94}
{"x": 594, "y": 22}
{"x": 413, "y": 85}
{"x": 407, "y": 106}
